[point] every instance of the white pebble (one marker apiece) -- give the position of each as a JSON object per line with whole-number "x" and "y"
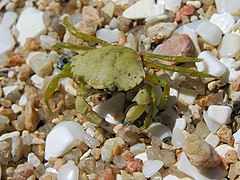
{"x": 9, "y": 135}
{"x": 191, "y": 32}
{"x": 68, "y": 171}
{"x": 219, "y": 114}
{"x": 210, "y": 65}
{"x": 8, "y": 19}
{"x": 187, "y": 96}
{"x": 232, "y": 7}
{"x": 108, "y": 35}
{"x": 40, "y": 63}
{"x": 47, "y": 42}
{"x": 142, "y": 156}
{"x": 112, "y": 109}
{"x": 23, "y": 100}
{"x": 66, "y": 132}
{"x": 137, "y": 148}
{"x": 186, "y": 167}
{"x": 224, "y": 21}
{"x": 172, "y": 5}
{"x": 8, "y": 89}
{"x": 213, "y": 126}
{"x": 86, "y": 154}
{"x": 37, "y": 81}
{"x": 178, "y": 138}
{"x": 212, "y": 139}
{"x": 16, "y": 108}
{"x": 229, "y": 46}
{"x": 144, "y": 9}
{"x": 113, "y": 23}
{"x": 33, "y": 160}
{"x": 30, "y": 24}
{"x": 7, "y": 41}
{"x": 236, "y": 136}
{"x": 223, "y": 149}
{"x": 109, "y": 9}
{"x": 209, "y": 32}
{"x": 181, "y": 123}
{"x": 150, "y": 167}
{"x": 233, "y": 73}
{"x": 68, "y": 85}
{"x": 196, "y": 4}
{"x": 159, "y": 130}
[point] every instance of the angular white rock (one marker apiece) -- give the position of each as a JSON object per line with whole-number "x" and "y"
{"x": 8, "y": 89}
{"x": 219, "y": 114}
{"x": 142, "y": 156}
{"x": 236, "y": 136}
{"x": 172, "y": 5}
{"x": 40, "y": 63}
{"x": 108, "y": 35}
{"x": 86, "y": 154}
{"x": 196, "y": 4}
{"x": 112, "y": 109}
{"x": 232, "y": 7}
{"x": 186, "y": 167}
{"x": 137, "y": 148}
{"x": 62, "y": 137}
{"x": 224, "y": 21}
{"x": 223, "y": 149}
{"x": 144, "y": 9}
{"x": 213, "y": 126}
{"x": 212, "y": 139}
{"x": 209, "y": 32}
{"x": 150, "y": 167}
{"x": 159, "y": 130}
{"x": 9, "y": 135}
{"x": 193, "y": 35}
{"x": 37, "y": 81}
{"x": 178, "y": 138}
{"x": 23, "y": 100}
{"x": 232, "y": 73}
{"x": 181, "y": 123}
{"x": 210, "y": 65}
{"x": 229, "y": 46}
{"x": 8, "y": 19}
{"x": 30, "y": 24}
{"x": 187, "y": 96}
{"x": 7, "y": 41}
{"x": 68, "y": 171}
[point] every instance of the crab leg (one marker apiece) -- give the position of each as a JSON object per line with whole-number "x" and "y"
{"x": 170, "y": 58}
{"x": 66, "y": 72}
{"x": 61, "y": 45}
{"x": 142, "y": 99}
{"x": 85, "y": 109}
{"x": 179, "y": 69}
{"x": 166, "y": 88}
{"x": 80, "y": 35}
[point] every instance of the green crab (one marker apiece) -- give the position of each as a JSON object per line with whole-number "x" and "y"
{"x": 116, "y": 68}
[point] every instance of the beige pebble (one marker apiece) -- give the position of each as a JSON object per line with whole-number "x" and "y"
{"x": 196, "y": 4}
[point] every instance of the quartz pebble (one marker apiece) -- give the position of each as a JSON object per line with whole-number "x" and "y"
{"x": 30, "y": 24}
{"x": 8, "y": 89}
{"x": 210, "y": 65}
{"x": 224, "y": 21}
{"x": 37, "y": 81}
{"x": 237, "y": 136}
{"x": 143, "y": 9}
{"x": 109, "y": 9}
{"x": 108, "y": 35}
{"x": 178, "y": 138}
{"x": 211, "y": 35}
{"x": 219, "y": 114}
{"x": 187, "y": 96}
{"x": 68, "y": 171}
{"x": 229, "y": 46}
{"x": 137, "y": 148}
{"x": 8, "y": 19}
{"x": 196, "y": 4}
{"x": 186, "y": 167}
{"x": 223, "y": 149}
{"x": 212, "y": 139}
{"x": 232, "y": 74}
{"x": 9, "y": 135}
{"x": 67, "y": 132}
{"x": 232, "y": 7}
{"x": 40, "y": 63}
{"x": 181, "y": 123}
{"x": 7, "y": 41}
{"x": 150, "y": 167}
{"x": 172, "y": 5}
{"x": 113, "y": 109}
{"x": 142, "y": 156}
{"x": 159, "y": 130}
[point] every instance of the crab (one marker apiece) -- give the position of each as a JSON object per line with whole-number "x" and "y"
{"x": 116, "y": 68}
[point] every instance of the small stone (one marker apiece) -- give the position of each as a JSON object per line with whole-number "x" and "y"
{"x": 225, "y": 135}
{"x": 40, "y": 63}
{"x": 129, "y": 134}
{"x": 224, "y": 21}
{"x": 23, "y": 171}
{"x": 172, "y": 5}
{"x": 31, "y": 119}
{"x": 24, "y": 72}
{"x": 48, "y": 176}
{"x": 47, "y": 42}
{"x": 206, "y": 158}
{"x": 232, "y": 7}
{"x": 7, "y": 41}
{"x": 211, "y": 35}
{"x": 137, "y": 148}
{"x": 202, "y": 129}
{"x": 5, "y": 152}
{"x": 109, "y": 9}
{"x": 219, "y": 114}
{"x": 210, "y": 65}
{"x": 231, "y": 157}
{"x": 144, "y": 9}
{"x": 33, "y": 160}
{"x": 184, "y": 11}
{"x": 161, "y": 31}
{"x": 229, "y": 46}
{"x": 119, "y": 161}
{"x": 30, "y": 24}
{"x": 196, "y": 4}
{"x": 108, "y": 35}
{"x": 9, "y": 135}
{"x": 134, "y": 165}
{"x": 150, "y": 167}
{"x": 178, "y": 138}
{"x": 32, "y": 44}
{"x": 107, "y": 174}
{"x": 180, "y": 45}
{"x": 8, "y": 19}
{"x": 37, "y": 81}
{"x": 212, "y": 139}
{"x": 187, "y": 96}
{"x": 237, "y": 136}
{"x": 17, "y": 148}
{"x": 159, "y": 130}
{"x": 223, "y": 149}
{"x": 68, "y": 171}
